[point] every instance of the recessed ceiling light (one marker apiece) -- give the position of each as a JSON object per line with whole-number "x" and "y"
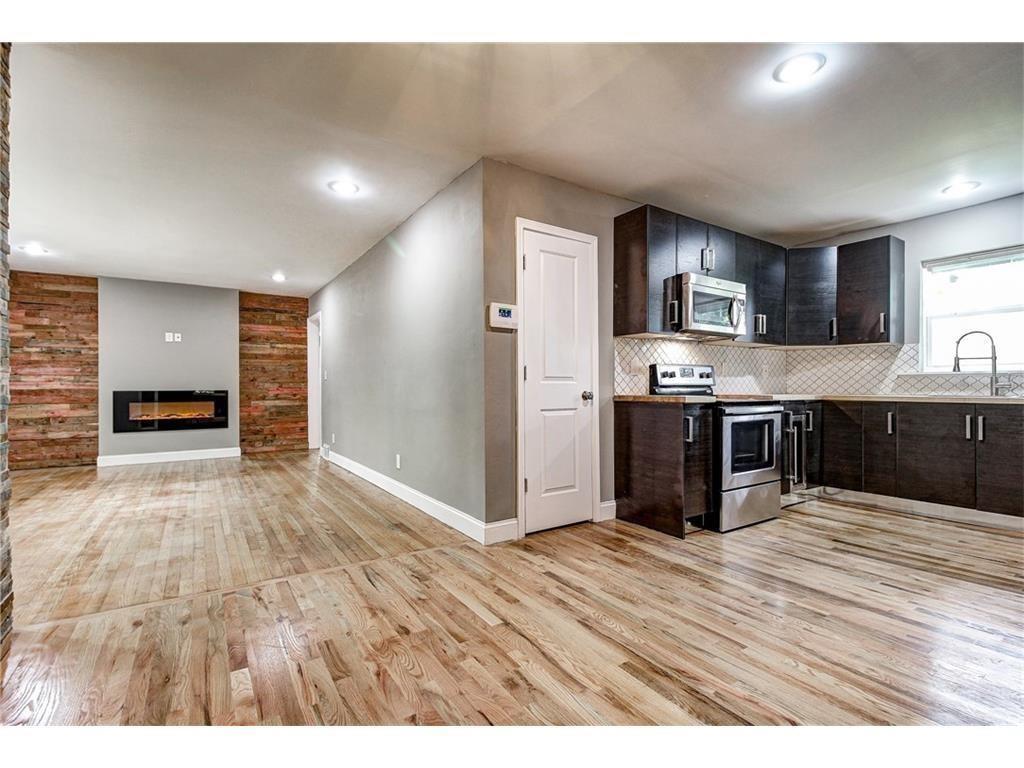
{"x": 344, "y": 188}
{"x": 33, "y": 249}
{"x": 799, "y": 68}
{"x": 278, "y": 277}
{"x": 961, "y": 188}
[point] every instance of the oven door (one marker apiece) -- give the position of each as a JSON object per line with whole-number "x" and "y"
{"x": 710, "y": 310}
{"x": 751, "y": 449}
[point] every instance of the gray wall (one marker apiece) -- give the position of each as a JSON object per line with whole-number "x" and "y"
{"x": 510, "y": 191}
{"x": 403, "y": 350}
{"x": 982, "y": 227}
{"x": 133, "y": 316}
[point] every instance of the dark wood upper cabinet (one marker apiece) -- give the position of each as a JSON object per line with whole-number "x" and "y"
{"x": 999, "y": 474}
{"x": 879, "y": 422}
{"x": 691, "y": 241}
{"x": 811, "y": 296}
{"x": 761, "y": 266}
{"x": 843, "y": 445}
{"x": 935, "y": 457}
{"x": 869, "y": 287}
{"x": 722, "y": 243}
{"x": 645, "y": 254}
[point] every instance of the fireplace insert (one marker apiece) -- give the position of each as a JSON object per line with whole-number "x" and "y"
{"x": 163, "y": 409}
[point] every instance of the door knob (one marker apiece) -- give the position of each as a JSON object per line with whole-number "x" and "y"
{"x": 588, "y": 395}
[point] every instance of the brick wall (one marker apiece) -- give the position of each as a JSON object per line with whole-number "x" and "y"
{"x": 272, "y": 373}
{"x": 6, "y": 587}
{"x": 54, "y": 413}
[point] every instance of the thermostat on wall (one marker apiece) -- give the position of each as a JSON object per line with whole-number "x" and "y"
{"x": 503, "y": 315}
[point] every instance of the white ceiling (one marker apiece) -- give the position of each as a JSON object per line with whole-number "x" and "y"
{"x": 208, "y": 163}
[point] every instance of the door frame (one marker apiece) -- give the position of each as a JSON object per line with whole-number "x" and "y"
{"x": 316, "y": 319}
{"x": 522, "y": 226}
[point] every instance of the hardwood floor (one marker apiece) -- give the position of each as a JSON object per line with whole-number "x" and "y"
{"x": 283, "y": 590}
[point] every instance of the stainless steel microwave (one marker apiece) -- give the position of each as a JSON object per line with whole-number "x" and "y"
{"x": 702, "y": 306}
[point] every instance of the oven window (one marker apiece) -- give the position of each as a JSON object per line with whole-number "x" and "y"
{"x": 709, "y": 309}
{"x": 753, "y": 445}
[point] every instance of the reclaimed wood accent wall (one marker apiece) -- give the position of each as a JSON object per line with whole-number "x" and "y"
{"x": 6, "y": 586}
{"x": 272, "y": 373}
{"x": 54, "y": 416}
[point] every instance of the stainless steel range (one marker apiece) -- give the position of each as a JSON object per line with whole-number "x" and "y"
{"x": 748, "y": 471}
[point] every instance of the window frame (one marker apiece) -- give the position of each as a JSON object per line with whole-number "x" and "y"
{"x": 925, "y": 320}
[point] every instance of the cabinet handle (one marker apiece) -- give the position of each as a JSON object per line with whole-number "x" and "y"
{"x": 673, "y": 314}
{"x": 888, "y": 423}
{"x": 831, "y": 329}
{"x": 689, "y": 429}
{"x": 809, "y": 421}
{"x": 761, "y": 324}
{"x": 707, "y": 259}
{"x": 967, "y": 426}
{"x": 981, "y": 429}
{"x": 881, "y": 323}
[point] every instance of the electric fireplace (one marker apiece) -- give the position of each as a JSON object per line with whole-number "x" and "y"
{"x": 163, "y": 409}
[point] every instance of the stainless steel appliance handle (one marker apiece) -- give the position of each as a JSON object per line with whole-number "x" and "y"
{"x": 767, "y": 439}
{"x": 733, "y": 312}
{"x": 673, "y": 313}
{"x": 803, "y": 454}
{"x": 832, "y": 329}
{"x": 792, "y": 474}
{"x": 981, "y": 429}
{"x": 689, "y": 429}
{"x": 967, "y": 426}
{"x": 881, "y": 322}
{"x": 888, "y": 423}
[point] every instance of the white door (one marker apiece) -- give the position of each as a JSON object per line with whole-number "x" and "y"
{"x": 314, "y": 378}
{"x": 559, "y": 326}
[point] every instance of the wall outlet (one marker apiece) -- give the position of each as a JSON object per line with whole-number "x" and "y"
{"x": 168, "y": 337}
{"x": 332, "y": 438}
{"x": 398, "y": 461}
{"x": 177, "y": 337}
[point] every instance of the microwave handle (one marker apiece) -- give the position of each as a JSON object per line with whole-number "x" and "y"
{"x": 734, "y": 318}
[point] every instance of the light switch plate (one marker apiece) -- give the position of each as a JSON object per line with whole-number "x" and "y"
{"x": 177, "y": 337}
{"x": 168, "y": 337}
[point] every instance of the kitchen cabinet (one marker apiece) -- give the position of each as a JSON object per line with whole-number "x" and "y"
{"x": 697, "y": 460}
{"x": 869, "y": 291}
{"x": 696, "y": 239}
{"x": 811, "y": 296}
{"x": 645, "y": 254}
{"x": 879, "y": 439}
{"x": 813, "y": 433}
{"x": 935, "y": 458}
{"x": 842, "y": 445}
{"x": 999, "y": 459}
{"x": 761, "y": 266}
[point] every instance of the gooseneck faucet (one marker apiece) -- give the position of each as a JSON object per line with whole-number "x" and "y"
{"x": 994, "y": 384}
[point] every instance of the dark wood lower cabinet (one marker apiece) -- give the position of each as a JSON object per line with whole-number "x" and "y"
{"x": 879, "y": 422}
{"x": 652, "y": 485}
{"x": 936, "y": 453}
{"x": 999, "y": 458}
{"x": 697, "y": 460}
{"x": 813, "y": 434}
{"x": 842, "y": 445}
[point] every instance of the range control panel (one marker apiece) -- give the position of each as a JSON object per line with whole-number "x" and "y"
{"x": 672, "y": 379}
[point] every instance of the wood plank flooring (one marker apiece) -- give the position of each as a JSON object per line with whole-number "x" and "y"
{"x": 284, "y": 590}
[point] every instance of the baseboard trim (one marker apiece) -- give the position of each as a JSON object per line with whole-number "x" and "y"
{"x": 484, "y": 533}
{"x": 605, "y": 511}
{"x": 164, "y": 456}
{"x": 923, "y": 508}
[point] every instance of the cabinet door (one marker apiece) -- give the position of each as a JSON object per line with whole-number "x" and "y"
{"x": 723, "y": 241}
{"x": 810, "y": 296}
{"x": 697, "y": 461}
{"x": 813, "y": 433}
{"x": 661, "y": 263}
{"x": 691, "y": 240}
{"x": 770, "y": 287}
{"x": 842, "y": 445}
{"x": 1000, "y": 458}
{"x": 869, "y": 302}
{"x": 879, "y": 422}
{"x": 747, "y": 253}
{"x": 935, "y": 454}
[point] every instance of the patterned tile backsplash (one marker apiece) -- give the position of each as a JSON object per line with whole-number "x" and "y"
{"x": 874, "y": 369}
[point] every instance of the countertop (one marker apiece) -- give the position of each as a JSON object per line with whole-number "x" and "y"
{"x": 731, "y": 397}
